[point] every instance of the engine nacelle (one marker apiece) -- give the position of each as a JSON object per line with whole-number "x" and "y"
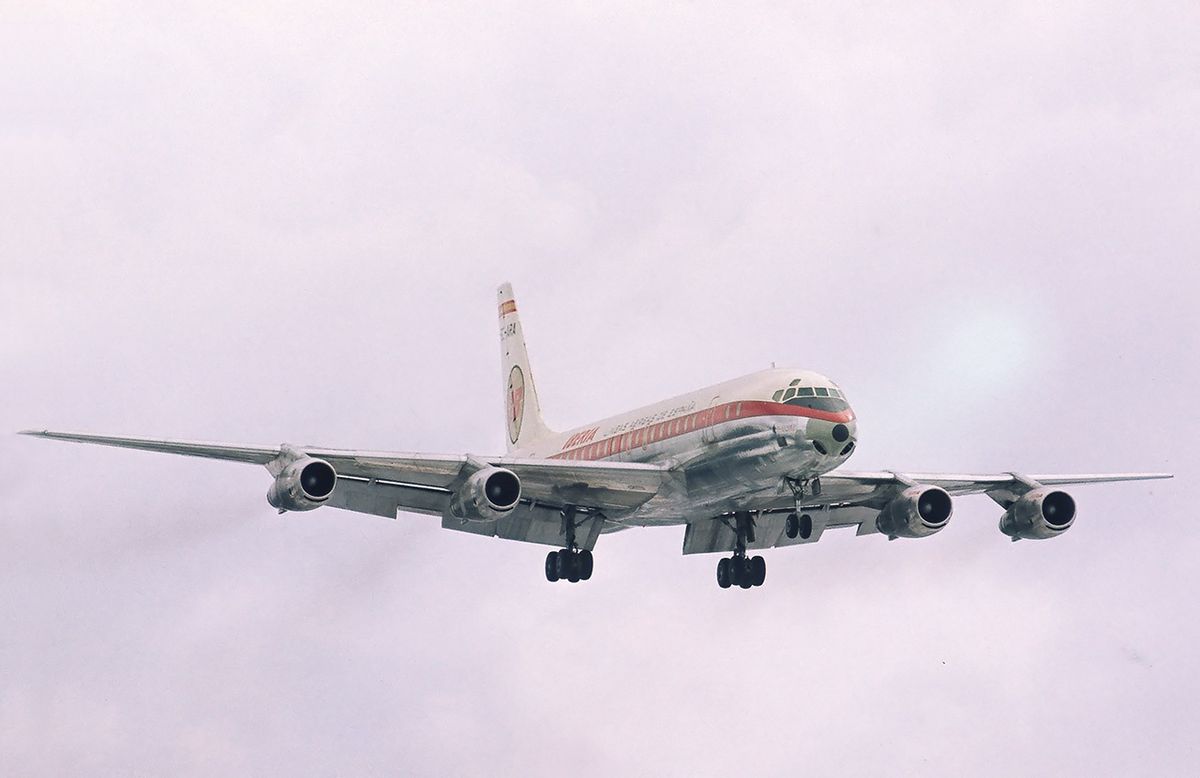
{"x": 488, "y": 494}
{"x": 1039, "y": 514}
{"x": 303, "y": 485}
{"x": 917, "y": 512}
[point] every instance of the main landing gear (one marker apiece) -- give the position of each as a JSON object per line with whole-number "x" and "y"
{"x": 740, "y": 570}
{"x": 571, "y": 563}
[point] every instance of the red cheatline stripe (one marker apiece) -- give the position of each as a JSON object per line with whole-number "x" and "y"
{"x": 508, "y": 306}
{"x": 682, "y": 425}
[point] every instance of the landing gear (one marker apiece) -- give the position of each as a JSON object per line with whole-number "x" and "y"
{"x": 798, "y": 526}
{"x": 740, "y": 570}
{"x": 571, "y": 563}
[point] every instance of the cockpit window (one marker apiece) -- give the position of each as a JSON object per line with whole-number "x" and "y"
{"x": 833, "y": 404}
{"x": 818, "y": 398}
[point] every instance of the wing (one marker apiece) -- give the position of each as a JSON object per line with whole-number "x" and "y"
{"x": 876, "y": 488}
{"x": 855, "y": 499}
{"x": 382, "y": 483}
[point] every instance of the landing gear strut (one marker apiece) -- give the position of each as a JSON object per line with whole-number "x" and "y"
{"x": 740, "y": 570}
{"x": 571, "y": 563}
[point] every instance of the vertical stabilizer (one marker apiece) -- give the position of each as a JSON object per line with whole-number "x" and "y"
{"x": 522, "y": 413}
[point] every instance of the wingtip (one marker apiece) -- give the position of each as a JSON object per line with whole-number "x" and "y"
{"x": 32, "y": 432}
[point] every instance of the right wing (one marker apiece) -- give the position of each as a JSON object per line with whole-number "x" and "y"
{"x": 382, "y": 483}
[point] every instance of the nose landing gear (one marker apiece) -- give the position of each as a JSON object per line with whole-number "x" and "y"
{"x": 740, "y": 570}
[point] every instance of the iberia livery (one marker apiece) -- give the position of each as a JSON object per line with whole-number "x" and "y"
{"x": 748, "y": 464}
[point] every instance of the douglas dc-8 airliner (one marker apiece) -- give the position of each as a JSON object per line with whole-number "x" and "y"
{"x": 744, "y": 465}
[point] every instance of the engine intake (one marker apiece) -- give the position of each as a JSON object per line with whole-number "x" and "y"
{"x": 489, "y": 494}
{"x": 917, "y": 512}
{"x": 1039, "y": 514}
{"x": 303, "y": 485}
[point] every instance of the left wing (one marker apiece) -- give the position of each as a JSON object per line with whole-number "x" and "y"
{"x": 856, "y": 499}
{"x": 846, "y": 484}
{"x": 383, "y": 483}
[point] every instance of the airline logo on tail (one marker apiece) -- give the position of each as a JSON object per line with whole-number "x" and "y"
{"x": 516, "y": 402}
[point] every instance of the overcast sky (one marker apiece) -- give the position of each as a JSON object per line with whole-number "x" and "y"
{"x": 287, "y": 224}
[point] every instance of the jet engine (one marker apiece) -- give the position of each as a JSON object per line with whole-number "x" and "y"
{"x": 917, "y": 512}
{"x": 303, "y": 485}
{"x": 488, "y": 494}
{"x": 1039, "y": 514}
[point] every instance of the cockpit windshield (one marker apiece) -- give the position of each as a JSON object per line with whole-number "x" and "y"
{"x": 821, "y": 398}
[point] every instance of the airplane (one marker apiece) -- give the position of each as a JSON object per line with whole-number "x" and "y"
{"x": 745, "y": 465}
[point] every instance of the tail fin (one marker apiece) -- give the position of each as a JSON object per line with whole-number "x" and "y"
{"x": 522, "y": 411}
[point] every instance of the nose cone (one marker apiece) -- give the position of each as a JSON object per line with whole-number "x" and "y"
{"x": 832, "y": 439}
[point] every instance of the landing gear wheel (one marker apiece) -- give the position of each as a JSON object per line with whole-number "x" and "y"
{"x": 585, "y": 564}
{"x": 758, "y": 571}
{"x": 744, "y": 576}
{"x": 798, "y": 526}
{"x": 562, "y": 564}
{"x": 724, "y": 580}
{"x": 552, "y": 566}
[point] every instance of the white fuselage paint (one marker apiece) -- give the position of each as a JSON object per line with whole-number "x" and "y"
{"x": 732, "y": 442}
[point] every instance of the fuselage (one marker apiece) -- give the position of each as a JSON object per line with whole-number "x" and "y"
{"x": 732, "y": 441}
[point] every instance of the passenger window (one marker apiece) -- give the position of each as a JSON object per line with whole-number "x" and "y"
{"x": 822, "y": 391}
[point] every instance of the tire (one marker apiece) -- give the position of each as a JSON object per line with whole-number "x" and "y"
{"x": 791, "y": 527}
{"x": 806, "y": 527}
{"x": 758, "y": 571}
{"x": 552, "y": 566}
{"x": 723, "y": 577}
{"x": 744, "y": 578}
{"x": 562, "y": 564}
{"x": 586, "y": 563}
